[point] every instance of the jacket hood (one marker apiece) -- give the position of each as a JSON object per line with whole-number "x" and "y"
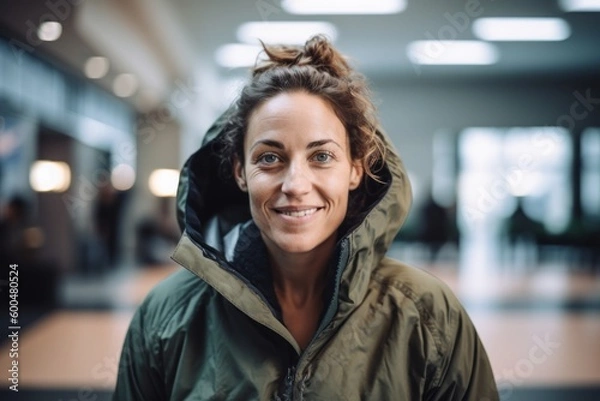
{"x": 210, "y": 206}
{"x": 205, "y": 194}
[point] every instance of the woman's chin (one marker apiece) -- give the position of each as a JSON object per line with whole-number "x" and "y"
{"x": 296, "y": 247}
{"x": 300, "y": 244}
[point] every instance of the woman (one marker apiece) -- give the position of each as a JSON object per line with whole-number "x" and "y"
{"x": 288, "y": 209}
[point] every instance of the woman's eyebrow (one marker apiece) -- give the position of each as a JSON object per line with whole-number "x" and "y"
{"x": 279, "y": 145}
{"x": 316, "y": 144}
{"x": 268, "y": 142}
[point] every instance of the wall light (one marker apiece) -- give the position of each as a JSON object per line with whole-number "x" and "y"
{"x": 521, "y": 29}
{"x": 49, "y": 176}
{"x": 580, "y": 5}
{"x": 163, "y": 182}
{"x": 235, "y": 55}
{"x": 49, "y": 31}
{"x": 343, "y": 6}
{"x": 452, "y": 52}
{"x": 293, "y": 32}
{"x": 96, "y": 67}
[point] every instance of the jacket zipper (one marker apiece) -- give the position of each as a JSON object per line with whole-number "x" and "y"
{"x": 298, "y": 377}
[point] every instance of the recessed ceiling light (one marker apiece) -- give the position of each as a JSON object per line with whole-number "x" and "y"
{"x": 125, "y": 85}
{"x": 147, "y": 99}
{"x": 49, "y": 31}
{"x": 122, "y": 177}
{"x": 343, "y": 6}
{"x": 580, "y": 5}
{"x": 521, "y": 29}
{"x": 96, "y": 67}
{"x": 293, "y": 32}
{"x": 452, "y": 52}
{"x": 236, "y": 55}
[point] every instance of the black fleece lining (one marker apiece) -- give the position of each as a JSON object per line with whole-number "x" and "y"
{"x": 210, "y": 194}
{"x": 251, "y": 261}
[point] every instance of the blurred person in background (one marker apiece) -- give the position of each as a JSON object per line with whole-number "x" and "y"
{"x": 157, "y": 235}
{"x": 20, "y": 243}
{"x": 17, "y": 242}
{"x": 107, "y": 215}
{"x": 435, "y": 227}
{"x": 288, "y": 210}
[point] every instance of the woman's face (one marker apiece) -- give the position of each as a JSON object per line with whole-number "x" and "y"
{"x": 297, "y": 171}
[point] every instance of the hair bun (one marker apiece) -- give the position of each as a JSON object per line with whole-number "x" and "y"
{"x": 317, "y": 52}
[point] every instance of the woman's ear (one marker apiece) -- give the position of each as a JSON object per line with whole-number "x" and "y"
{"x": 239, "y": 175}
{"x": 356, "y": 174}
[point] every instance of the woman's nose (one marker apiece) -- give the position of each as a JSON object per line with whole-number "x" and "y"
{"x": 296, "y": 180}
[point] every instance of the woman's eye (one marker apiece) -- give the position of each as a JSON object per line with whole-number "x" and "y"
{"x": 322, "y": 157}
{"x": 268, "y": 158}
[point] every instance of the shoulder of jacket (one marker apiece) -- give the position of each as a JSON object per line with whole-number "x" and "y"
{"x": 438, "y": 309}
{"x": 412, "y": 282}
{"x": 173, "y": 302}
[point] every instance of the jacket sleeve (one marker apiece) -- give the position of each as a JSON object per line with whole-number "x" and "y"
{"x": 464, "y": 372}
{"x": 140, "y": 376}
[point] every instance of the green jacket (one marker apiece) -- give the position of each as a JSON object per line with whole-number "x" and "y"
{"x": 214, "y": 331}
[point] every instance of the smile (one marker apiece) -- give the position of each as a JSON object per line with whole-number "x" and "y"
{"x": 298, "y": 213}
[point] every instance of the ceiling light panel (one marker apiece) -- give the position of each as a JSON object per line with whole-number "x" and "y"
{"x": 580, "y": 5}
{"x": 343, "y": 6}
{"x": 235, "y": 55}
{"x": 452, "y": 52}
{"x": 293, "y": 33}
{"x": 521, "y": 29}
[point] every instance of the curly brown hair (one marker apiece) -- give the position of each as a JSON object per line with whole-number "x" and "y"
{"x": 319, "y": 69}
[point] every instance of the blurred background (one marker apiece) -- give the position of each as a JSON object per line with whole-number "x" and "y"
{"x": 493, "y": 105}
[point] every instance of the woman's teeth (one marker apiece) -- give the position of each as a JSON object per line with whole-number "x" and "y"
{"x": 299, "y": 213}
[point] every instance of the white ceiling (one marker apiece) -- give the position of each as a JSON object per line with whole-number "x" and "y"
{"x": 377, "y": 43}
{"x": 166, "y": 41}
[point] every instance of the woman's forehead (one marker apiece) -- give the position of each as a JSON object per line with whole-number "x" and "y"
{"x": 295, "y": 117}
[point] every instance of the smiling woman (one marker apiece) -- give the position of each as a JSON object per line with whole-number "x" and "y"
{"x": 288, "y": 210}
{"x": 298, "y": 172}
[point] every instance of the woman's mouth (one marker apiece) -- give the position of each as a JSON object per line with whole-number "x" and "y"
{"x": 296, "y": 212}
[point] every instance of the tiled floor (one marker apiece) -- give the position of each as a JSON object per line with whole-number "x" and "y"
{"x": 541, "y": 331}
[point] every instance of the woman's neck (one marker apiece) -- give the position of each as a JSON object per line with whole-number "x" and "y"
{"x": 299, "y": 282}
{"x": 300, "y": 278}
